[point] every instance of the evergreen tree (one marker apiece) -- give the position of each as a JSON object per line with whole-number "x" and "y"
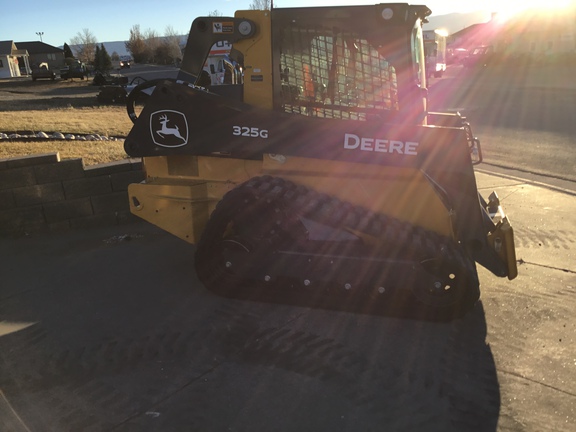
{"x": 97, "y": 58}
{"x": 102, "y": 60}
{"x": 67, "y": 51}
{"x": 105, "y": 60}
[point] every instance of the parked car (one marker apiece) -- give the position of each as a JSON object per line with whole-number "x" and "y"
{"x": 479, "y": 57}
{"x": 43, "y": 72}
{"x": 75, "y": 70}
{"x": 457, "y": 55}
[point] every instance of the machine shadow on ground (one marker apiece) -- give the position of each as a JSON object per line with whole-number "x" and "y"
{"x": 116, "y": 327}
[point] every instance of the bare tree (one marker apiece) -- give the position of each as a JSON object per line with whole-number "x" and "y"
{"x": 84, "y": 46}
{"x": 136, "y": 45}
{"x": 152, "y": 43}
{"x": 215, "y": 13}
{"x": 149, "y": 47}
{"x": 172, "y": 41}
{"x": 260, "y": 4}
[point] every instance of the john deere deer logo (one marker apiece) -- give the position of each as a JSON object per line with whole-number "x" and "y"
{"x": 169, "y": 128}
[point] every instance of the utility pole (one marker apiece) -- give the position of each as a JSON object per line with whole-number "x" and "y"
{"x": 40, "y": 34}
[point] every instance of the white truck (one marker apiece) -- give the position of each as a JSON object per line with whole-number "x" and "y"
{"x": 220, "y": 67}
{"x": 435, "y": 52}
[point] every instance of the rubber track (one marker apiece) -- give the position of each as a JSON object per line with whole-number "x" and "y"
{"x": 338, "y": 214}
{"x": 265, "y": 197}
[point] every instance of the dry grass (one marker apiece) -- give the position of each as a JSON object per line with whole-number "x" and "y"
{"x": 105, "y": 120}
{"x": 110, "y": 121}
{"x": 92, "y": 152}
{"x": 31, "y": 107}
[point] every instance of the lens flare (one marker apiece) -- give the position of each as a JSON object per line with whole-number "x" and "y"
{"x": 509, "y": 10}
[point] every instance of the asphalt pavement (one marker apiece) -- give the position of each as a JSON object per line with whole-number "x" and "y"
{"x": 109, "y": 330}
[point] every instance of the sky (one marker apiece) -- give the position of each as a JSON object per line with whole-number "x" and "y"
{"x": 58, "y": 21}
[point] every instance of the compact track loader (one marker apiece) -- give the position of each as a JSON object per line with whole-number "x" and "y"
{"x": 320, "y": 177}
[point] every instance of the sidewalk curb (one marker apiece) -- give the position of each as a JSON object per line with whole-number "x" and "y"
{"x": 524, "y": 180}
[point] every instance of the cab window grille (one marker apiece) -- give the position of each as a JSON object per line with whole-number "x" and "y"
{"x": 332, "y": 74}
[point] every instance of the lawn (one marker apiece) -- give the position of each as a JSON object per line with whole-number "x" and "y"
{"x": 29, "y": 107}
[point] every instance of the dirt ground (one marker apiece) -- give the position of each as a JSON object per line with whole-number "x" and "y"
{"x": 23, "y": 93}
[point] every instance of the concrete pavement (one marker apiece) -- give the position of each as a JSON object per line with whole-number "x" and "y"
{"x": 108, "y": 329}
{"x": 530, "y": 320}
{"x": 543, "y": 218}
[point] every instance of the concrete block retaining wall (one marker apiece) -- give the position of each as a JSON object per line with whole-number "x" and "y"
{"x": 41, "y": 193}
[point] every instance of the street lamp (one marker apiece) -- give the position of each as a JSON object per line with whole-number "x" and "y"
{"x": 40, "y": 34}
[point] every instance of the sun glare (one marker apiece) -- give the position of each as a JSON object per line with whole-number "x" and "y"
{"x": 508, "y": 10}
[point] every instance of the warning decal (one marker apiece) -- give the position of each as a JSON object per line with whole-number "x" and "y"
{"x": 223, "y": 27}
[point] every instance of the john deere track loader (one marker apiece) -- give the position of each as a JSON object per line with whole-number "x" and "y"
{"x": 320, "y": 176}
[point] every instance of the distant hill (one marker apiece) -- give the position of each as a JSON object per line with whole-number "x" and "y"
{"x": 455, "y": 22}
{"x": 117, "y": 46}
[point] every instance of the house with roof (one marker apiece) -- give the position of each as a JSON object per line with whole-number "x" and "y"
{"x": 10, "y": 59}
{"x": 19, "y": 58}
{"x": 550, "y": 35}
{"x": 475, "y": 35}
{"x": 40, "y": 52}
{"x": 530, "y": 33}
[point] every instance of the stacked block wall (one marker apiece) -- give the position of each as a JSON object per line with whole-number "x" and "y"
{"x": 41, "y": 193}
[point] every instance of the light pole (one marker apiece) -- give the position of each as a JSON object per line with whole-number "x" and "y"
{"x": 40, "y": 34}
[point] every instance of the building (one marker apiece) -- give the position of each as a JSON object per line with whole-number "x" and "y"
{"x": 10, "y": 59}
{"x": 18, "y": 58}
{"x": 543, "y": 36}
{"x": 536, "y": 34}
{"x": 475, "y": 35}
{"x": 40, "y": 52}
